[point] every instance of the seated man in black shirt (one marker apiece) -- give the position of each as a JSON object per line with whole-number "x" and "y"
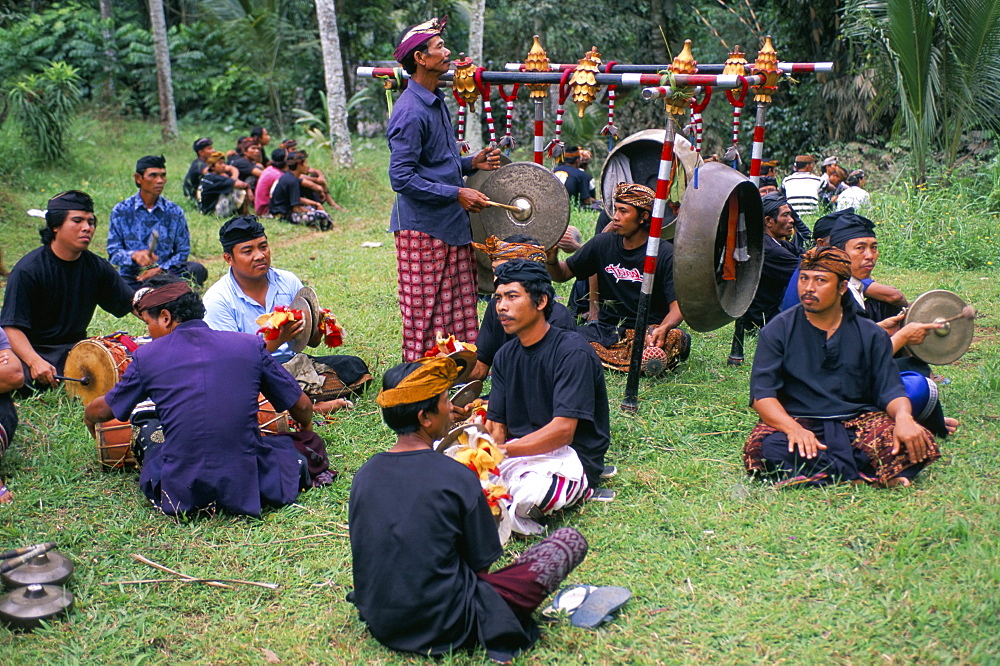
{"x": 221, "y": 192}
{"x": 287, "y": 201}
{"x": 11, "y": 379}
{"x": 202, "y": 148}
{"x": 423, "y": 537}
{"x": 246, "y": 159}
{"x": 579, "y": 184}
{"x": 491, "y": 333}
{"x": 781, "y": 258}
{"x": 548, "y": 405}
{"x": 831, "y": 404}
{"x": 53, "y": 290}
{"x": 617, "y": 259}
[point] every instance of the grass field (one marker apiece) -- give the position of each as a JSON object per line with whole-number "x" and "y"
{"x": 723, "y": 570}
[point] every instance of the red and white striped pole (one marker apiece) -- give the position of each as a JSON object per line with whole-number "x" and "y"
{"x": 758, "y": 144}
{"x": 539, "y": 144}
{"x": 663, "y": 183}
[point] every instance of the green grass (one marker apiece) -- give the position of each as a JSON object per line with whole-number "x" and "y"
{"x": 722, "y": 569}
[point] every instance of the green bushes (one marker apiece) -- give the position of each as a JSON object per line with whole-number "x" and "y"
{"x": 44, "y": 105}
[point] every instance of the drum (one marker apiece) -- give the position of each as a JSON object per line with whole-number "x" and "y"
{"x": 115, "y": 438}
{"x": 114, "y": 445}
{"x": 271, "y": 422}
{"x": 101, "y": 361}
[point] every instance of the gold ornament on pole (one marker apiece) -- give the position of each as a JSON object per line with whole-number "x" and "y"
{"x": 766, "y": 66}
{"x": 684, "y": 63}
{"x": 583, "y": 82}
{"x": 537, "y": 61}
{"x": 735, "y": 63}
{"x": 464, "y": 81}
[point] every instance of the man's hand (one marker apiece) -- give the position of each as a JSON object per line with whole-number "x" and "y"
{"x": 487, "y": 159}
{"x": 657, "y": 337}
{"x": 471, "y": 200}
{"x": 806, "y": 442}
{"x": 914, "y": 333}
{"x": 909, "y": 433}
{"x": 144, "y": 258}
{"x": 43, "y": 372}
{"x": 148, "y": 273}
{"x": 891, "y": 324}
{"x": 289, "y": 330}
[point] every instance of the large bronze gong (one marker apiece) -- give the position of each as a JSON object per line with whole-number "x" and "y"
{"x": 706, "y": 299}
{"x": 541, "y": 199}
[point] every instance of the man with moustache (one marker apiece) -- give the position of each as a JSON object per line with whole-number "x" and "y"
{"x": 52, "y": 291}
{"x": 831, "y": 403}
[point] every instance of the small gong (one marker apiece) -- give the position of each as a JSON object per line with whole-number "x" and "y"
{"x": 947, "y": 344}
{"x": 26, "y": 607}
{"x": 51, "y": 568}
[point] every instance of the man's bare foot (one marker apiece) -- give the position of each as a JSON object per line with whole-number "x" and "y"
{"x": 898, "y": 482}
{"x": 951, "y": 425}
{"x": 6, "y": 497}
{"x": 331, "y": 406}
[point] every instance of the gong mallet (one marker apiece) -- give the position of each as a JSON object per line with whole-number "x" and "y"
{"x": 33, "y": 552}
{"x": 514, "y": 209}
{"x": 85, "y": 381}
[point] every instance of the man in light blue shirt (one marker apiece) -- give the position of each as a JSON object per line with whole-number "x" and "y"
{"x": 148, "y": 233}
{"x": 252, "y": 288}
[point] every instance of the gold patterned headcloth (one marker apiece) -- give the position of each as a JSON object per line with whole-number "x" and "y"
{"x": 434, "y": 376}
{"x": 636, "y": 195}
{"x": 496, "y": 249}
{"x": 827, "y": 258}
{"x": 417, "y": 35}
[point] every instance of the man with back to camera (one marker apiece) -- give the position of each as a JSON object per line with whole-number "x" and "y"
{"x": 52, "y": 291}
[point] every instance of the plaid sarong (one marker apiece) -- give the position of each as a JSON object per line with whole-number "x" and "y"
{"x": 872, "y": 434}
{"x": 437, "y": 291}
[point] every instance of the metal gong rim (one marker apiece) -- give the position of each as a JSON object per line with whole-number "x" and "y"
{"x": 476, "y": 182}
{"x": 310, "y": 297}
{"x": 299, "y": 342}
{"x": 946, "y": 345}
{"x": 706, "y": 300}
{"x": 526, "y": 182}
{"x": 642, "y": 152}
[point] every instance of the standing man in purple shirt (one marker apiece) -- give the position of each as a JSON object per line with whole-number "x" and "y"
{"x": 430, "y": 219}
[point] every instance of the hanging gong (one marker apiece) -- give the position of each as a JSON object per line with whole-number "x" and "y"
{"x": 26, "y": 607}
{"x": 299, "y": 342}
{"x": 712, "y": 287}
{"x": 540, "y": 197}
{"x": 943, "y": 345}
{"x": 636, "y": 159}
{"x": 483, "y": 263}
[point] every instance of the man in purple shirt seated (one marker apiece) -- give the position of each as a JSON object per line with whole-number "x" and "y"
{"x": 205, "y": 385}
{"x": 430, "y": 219}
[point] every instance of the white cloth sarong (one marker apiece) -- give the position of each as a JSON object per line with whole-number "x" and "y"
{"x": 549, "y": 481}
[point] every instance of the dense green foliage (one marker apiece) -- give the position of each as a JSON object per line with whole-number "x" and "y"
{"x": 44, "y": 103}
{"x": 723, "y": 570}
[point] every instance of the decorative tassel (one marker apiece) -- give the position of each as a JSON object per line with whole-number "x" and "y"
{"x": 609, "y": 130}
{"x": 507, "y": 142}
{"x": 556, "y": 147}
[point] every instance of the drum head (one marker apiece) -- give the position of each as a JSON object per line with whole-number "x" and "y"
{"x": 90, "y": 360}
{"x": 299, "y": 342}
{"x": 309, "y": 294}
{"x": 945, "y": 345}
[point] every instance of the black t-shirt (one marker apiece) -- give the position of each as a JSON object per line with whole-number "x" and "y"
{"x": 492, "y": 336}
{"x": 52, "y": 301}
{"x": 619, "y": 278}
{"x": 577, "y": 181}
{"x": 420, "y": 530}
{"x": 193, "y": 177}
{"x": 560, "y": 375}
{"x": 213, "y": 186}
{"x": 245, "y": 167}
{"x": 285, "y": 195}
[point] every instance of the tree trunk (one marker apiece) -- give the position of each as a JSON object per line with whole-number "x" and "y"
{"x": 336, "y": 94}
{"x": 109, "y": 52}
{"x": 164, "y": 80}
{"x": 659, "y": 20}
{"x": 476, "y": 18}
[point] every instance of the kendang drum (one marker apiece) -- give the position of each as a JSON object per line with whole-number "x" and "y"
{"x": 101, "y": 362}
{"x": 114, "y": 445}
{"x": 270, "y": 421}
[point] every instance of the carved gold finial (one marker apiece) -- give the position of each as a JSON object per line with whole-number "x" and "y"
{"x": 537, "y": 61}
{"x": 766, "y": 66}
{"x": 583, "y": 82}
{"x": 736, "y": 63}
{"x": 684, "y": 63}
{"x": 464, "y": 81}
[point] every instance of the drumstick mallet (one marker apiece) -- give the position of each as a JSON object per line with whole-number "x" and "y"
{"x": 83, "y": 382}
{"x": 504, "y": 206}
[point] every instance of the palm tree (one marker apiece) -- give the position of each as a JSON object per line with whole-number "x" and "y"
{"x": 336, "y": 94}
{"x": 164, "y": 80}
